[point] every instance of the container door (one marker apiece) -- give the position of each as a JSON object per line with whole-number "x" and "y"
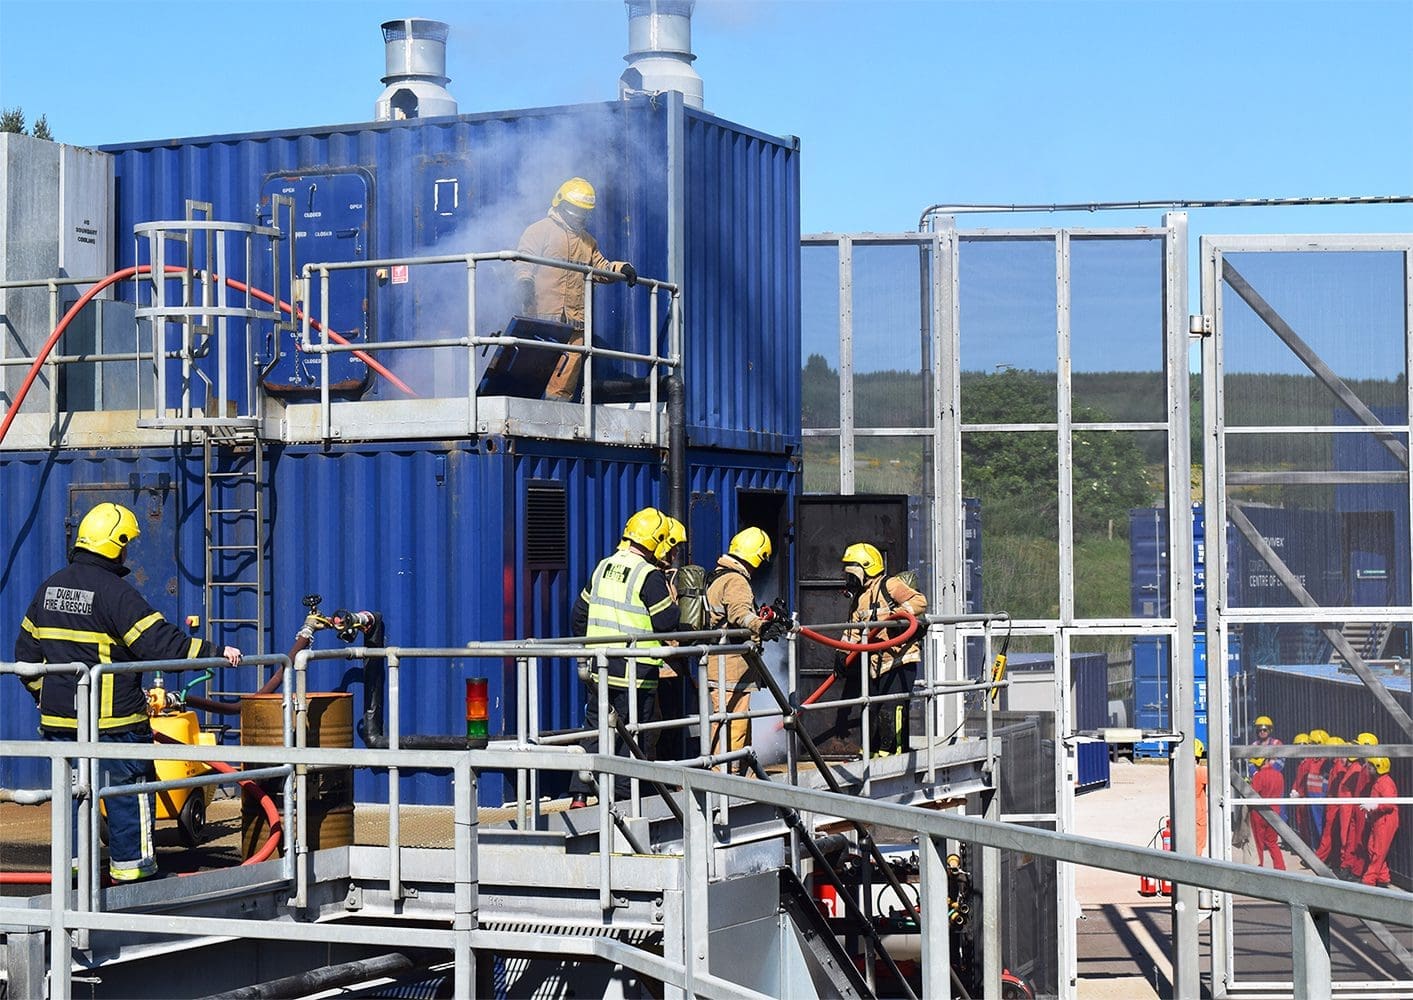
{"x": 331, "y": 212}
{"x": 825, "y": 526}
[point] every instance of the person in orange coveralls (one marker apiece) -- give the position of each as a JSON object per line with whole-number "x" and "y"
{"x": 1200, "y": 750}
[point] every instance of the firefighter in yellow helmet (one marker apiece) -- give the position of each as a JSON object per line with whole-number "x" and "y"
{"x": 87, "y": 613}
{"x": 628, "y": 594}
{"x": 554, "y": 292}
{"x": 731, "y": 603}
{"x": 874, "y": 595}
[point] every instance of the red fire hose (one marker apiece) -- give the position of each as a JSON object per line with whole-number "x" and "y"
{"x": 129, "y": 272}
{"x": 855, "y": 648}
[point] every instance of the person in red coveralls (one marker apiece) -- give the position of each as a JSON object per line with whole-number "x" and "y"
{"x": 1309, "y": 783}
{"x": 1380, "y": 824}
{"x": 1300, "y": 815}
{"x": 1334, "y": 812}
{"x": 1267, "y": 783}
{"x": 1358, "y": 779}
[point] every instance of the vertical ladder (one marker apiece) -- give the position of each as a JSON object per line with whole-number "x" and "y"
{"x": 233, "y": 466}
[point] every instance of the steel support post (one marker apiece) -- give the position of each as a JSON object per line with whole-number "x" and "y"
{"x": 936, "y": 943}
{"x": 674, "y": 939}
{"x": 991, "y": 898}
{"x": 60, "y": 959}
{"x": 25, "y": 964}
{"x": 1310, "y": 944}
{"x": 696, "y": 857}
{"x": 846, "y": 367}
{"x": 1182, "y": 775}
{"x": 1208, "y": 327}
{"x": 465, "y": 920}
{"x": 395, "y": 890}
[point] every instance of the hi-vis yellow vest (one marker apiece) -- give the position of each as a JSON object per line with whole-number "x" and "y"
{"x": 616, "y": 608}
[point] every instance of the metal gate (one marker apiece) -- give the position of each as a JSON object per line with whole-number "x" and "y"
{"x": 1043, "y": 376}
{"x": 1306, "y": 361}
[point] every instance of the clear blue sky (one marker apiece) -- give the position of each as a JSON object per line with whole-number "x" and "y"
{"x": 898, "y": 105}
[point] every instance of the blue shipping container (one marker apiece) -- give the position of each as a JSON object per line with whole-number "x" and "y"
{"x": 1149, "y": 563}
{"x": 1091, "y": 766}
{"x": 1089, "y": 686}
{"x": 682, "y": 195}
{"x": 1151, "y": 667}
{"x": 452, "y": 541}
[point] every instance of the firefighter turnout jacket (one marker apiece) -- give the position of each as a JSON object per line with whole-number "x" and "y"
{"x": 880, "y": 597}
{"x": 557, "y": 290}
{"x": 87, "y": 613}
{"x": 731, "y": 603}
{"x": 627, "y": 595}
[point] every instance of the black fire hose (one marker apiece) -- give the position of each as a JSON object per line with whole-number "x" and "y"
{"x": 319, "y": 980}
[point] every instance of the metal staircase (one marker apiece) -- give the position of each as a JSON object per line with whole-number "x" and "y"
{"x": 1368, "y": 639}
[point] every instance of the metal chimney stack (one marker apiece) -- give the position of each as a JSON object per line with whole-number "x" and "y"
{"x": 416, "y": 71}
{"x": 660, "y": 51}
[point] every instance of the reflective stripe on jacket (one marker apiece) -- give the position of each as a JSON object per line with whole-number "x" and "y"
{"x": 87, "y": 613}
{"x": 616, "y": 607}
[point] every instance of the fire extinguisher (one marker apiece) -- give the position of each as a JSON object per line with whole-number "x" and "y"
{"x": 1162, "y": 840}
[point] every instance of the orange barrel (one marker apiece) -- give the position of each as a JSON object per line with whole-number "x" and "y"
{"x": 330, "y": 724}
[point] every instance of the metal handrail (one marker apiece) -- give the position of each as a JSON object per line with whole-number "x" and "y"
{"x": 1309, "y": 901}
{"x": 655, "y": 359}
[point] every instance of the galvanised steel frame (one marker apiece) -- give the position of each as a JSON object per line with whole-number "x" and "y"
{"x": 1219, "y": 280}
{"x": 1310, "y": 902}
{"x": 944, "y": 518}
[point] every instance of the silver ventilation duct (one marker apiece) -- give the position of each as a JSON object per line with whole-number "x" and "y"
{"x": 660, "y": 51}
{"x": 415, "y": 51}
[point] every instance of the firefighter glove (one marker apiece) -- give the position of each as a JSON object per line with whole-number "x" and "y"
{"x": 527, "y": 296}
{"x": 775, "y": 628}
{"x": 630, "y": 274}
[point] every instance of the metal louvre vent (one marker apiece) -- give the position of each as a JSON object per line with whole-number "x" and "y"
{"x": 546, "y": 528}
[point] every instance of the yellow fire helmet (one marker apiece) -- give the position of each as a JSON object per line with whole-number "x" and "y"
{"x": 1381, "y": 764}
{"x": 1301, "y": 738}
{"x": 1319, "y": 736}
{"x": 675, "y": 536}
{"x": 1258, "y": 761}
{"x": 107, "y": 529}
{"x": 647, "y": 528}
{"x": 864, "y": 556}
{"x": 577, "y": 192}
{"x": 1367, "y": 740}
{"x": 751, "y": 546}
{"x": 1199, "y": 749}
{"x": 1264, "y": 720}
